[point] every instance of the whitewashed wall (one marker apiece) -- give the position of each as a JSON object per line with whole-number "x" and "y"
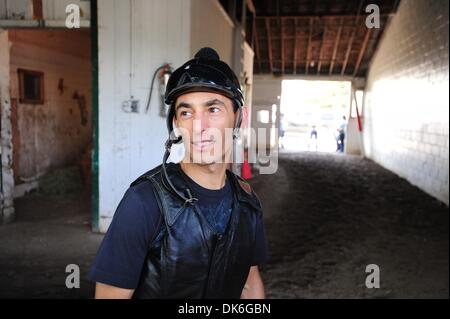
{"x": 247, "y": 64}
{"x": 16, "y": 9}
{"x": 266, "y": 90}
{"x": 135, "y": 38}
{"x": 56, "y": 9}
{"x": 211, "y": 27}
{"x": 53, "y": 10}
{"x": 406, "y": 112}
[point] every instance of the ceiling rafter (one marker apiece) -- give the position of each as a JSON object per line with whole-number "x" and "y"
{"x": 335, "y": 48}
{"x": 295, "y": 47}
{"x": 269, "y": 45}
{"x": 308, "y": 48}
{"x": 352, "y": 38}
{"x": 321, "y": 50}
{"x": 257, "y": 51}
{"x": 310, "y": 36}
{"x": 362, "y": 51}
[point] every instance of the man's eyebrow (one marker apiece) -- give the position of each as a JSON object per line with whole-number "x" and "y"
{"x": 183, "y": 104}
{"x": 214, "y": 102}
{"x": 207, "y": 103}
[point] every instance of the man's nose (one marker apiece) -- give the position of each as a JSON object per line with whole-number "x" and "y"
{"x": 201, "y": 122}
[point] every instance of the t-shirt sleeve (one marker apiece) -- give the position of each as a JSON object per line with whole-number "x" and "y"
{"x": 122, "y": 253}
{"x": 260, "y": 254}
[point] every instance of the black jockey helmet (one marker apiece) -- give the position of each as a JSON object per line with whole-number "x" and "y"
{"x": 204, "y": 73}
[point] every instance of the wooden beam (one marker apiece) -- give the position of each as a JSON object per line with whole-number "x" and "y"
{"x": 251, "y": 7}
{"x": 349, "y": 48}
{"x": 323, "y": 16}
{"x": 352, "y": 37}
{"x": 258, "y": 54}
{"x": 363, "y": 50}
{"x": 232, "y": 9}
{"x": 282, "y": 48}
{"x": 295, "y": 46}
{"x": 321, "y": 50}
{"x": 308, "y": 48}
{"x": 269, "y": 44}
{"x": 336, "y": 45}
{"x": 291, "y": 37}
{"x": 278, "y": 12}
{"x": 244, "y": 16}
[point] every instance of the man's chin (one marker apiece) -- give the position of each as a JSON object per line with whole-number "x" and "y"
{"x": 205, "y": 159}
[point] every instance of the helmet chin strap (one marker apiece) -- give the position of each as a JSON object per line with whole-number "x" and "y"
{"x": 166, "y": 180}
{"x": 237, "y": 127}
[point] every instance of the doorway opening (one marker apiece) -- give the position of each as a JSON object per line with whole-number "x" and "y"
{"x": 314, "y": 115}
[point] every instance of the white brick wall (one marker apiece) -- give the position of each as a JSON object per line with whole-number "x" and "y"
{"x": 406, "y": 111}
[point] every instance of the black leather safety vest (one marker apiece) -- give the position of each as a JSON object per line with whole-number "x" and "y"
{"x": 188, "y": 259}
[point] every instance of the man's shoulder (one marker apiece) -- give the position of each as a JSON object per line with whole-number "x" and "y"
{"x": 244, "y": 184}
{"x": 140, "y": 196}
{"x": 247, "y": 189}
{"x": 146, "y": 176}
{"x": 142, "y": 188}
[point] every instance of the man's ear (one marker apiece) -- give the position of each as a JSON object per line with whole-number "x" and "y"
{"x": 244, "y": 111}
{"x": 175, "y": 127}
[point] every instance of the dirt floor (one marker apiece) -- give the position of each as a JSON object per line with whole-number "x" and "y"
{"x": 50, "y": 232}
{"x": 327, "y": 217}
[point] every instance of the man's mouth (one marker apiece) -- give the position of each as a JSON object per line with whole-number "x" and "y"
{"x": 203, "y": 144}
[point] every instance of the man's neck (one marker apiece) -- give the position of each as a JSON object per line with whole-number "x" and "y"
{"x": 211, "y": 176}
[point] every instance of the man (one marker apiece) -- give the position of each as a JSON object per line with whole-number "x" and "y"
{"x": 282, "y": 130}
{"x": 193, "y": 229}
{"x": 341, "y": 134}
{"x": 313, "y": 135}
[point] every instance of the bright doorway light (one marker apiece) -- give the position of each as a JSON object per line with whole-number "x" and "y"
{"x": 311, "y": 113}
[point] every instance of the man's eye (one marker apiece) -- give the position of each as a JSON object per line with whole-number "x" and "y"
{"x": 214, "y": 109}
{"x": 184, "y": 113}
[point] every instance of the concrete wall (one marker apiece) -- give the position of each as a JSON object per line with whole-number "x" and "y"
{"x": 16, "y": 9}
{"x": 6, "y": 146}
{"x": 266, "y": 90}
{"x": 135, "y": 38}
{"x": 406, "y": 112}
{"x": 55, "y": 133}
{"x": 56, "y": 9}
{"x": 211, "y": 26}
{"x": 247, "y": 75}
{"x": 353, "y": 138}
{"x": 19, "y": 13}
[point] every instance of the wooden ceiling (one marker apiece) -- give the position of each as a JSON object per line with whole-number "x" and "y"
{"x": 311, "y": 37}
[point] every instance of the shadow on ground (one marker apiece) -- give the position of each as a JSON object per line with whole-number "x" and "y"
{"x": 329, "y": 216}
{"x": 50, "y": 232}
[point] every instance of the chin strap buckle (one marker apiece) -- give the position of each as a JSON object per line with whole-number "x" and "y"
{"x": 168, "y": 144}
{"x": 191, "y": 200}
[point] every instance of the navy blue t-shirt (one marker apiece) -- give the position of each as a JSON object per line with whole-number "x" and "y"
{"x": 136, "y": 222}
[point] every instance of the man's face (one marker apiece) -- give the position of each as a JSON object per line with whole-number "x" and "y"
{"x": 206, "y": 121}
